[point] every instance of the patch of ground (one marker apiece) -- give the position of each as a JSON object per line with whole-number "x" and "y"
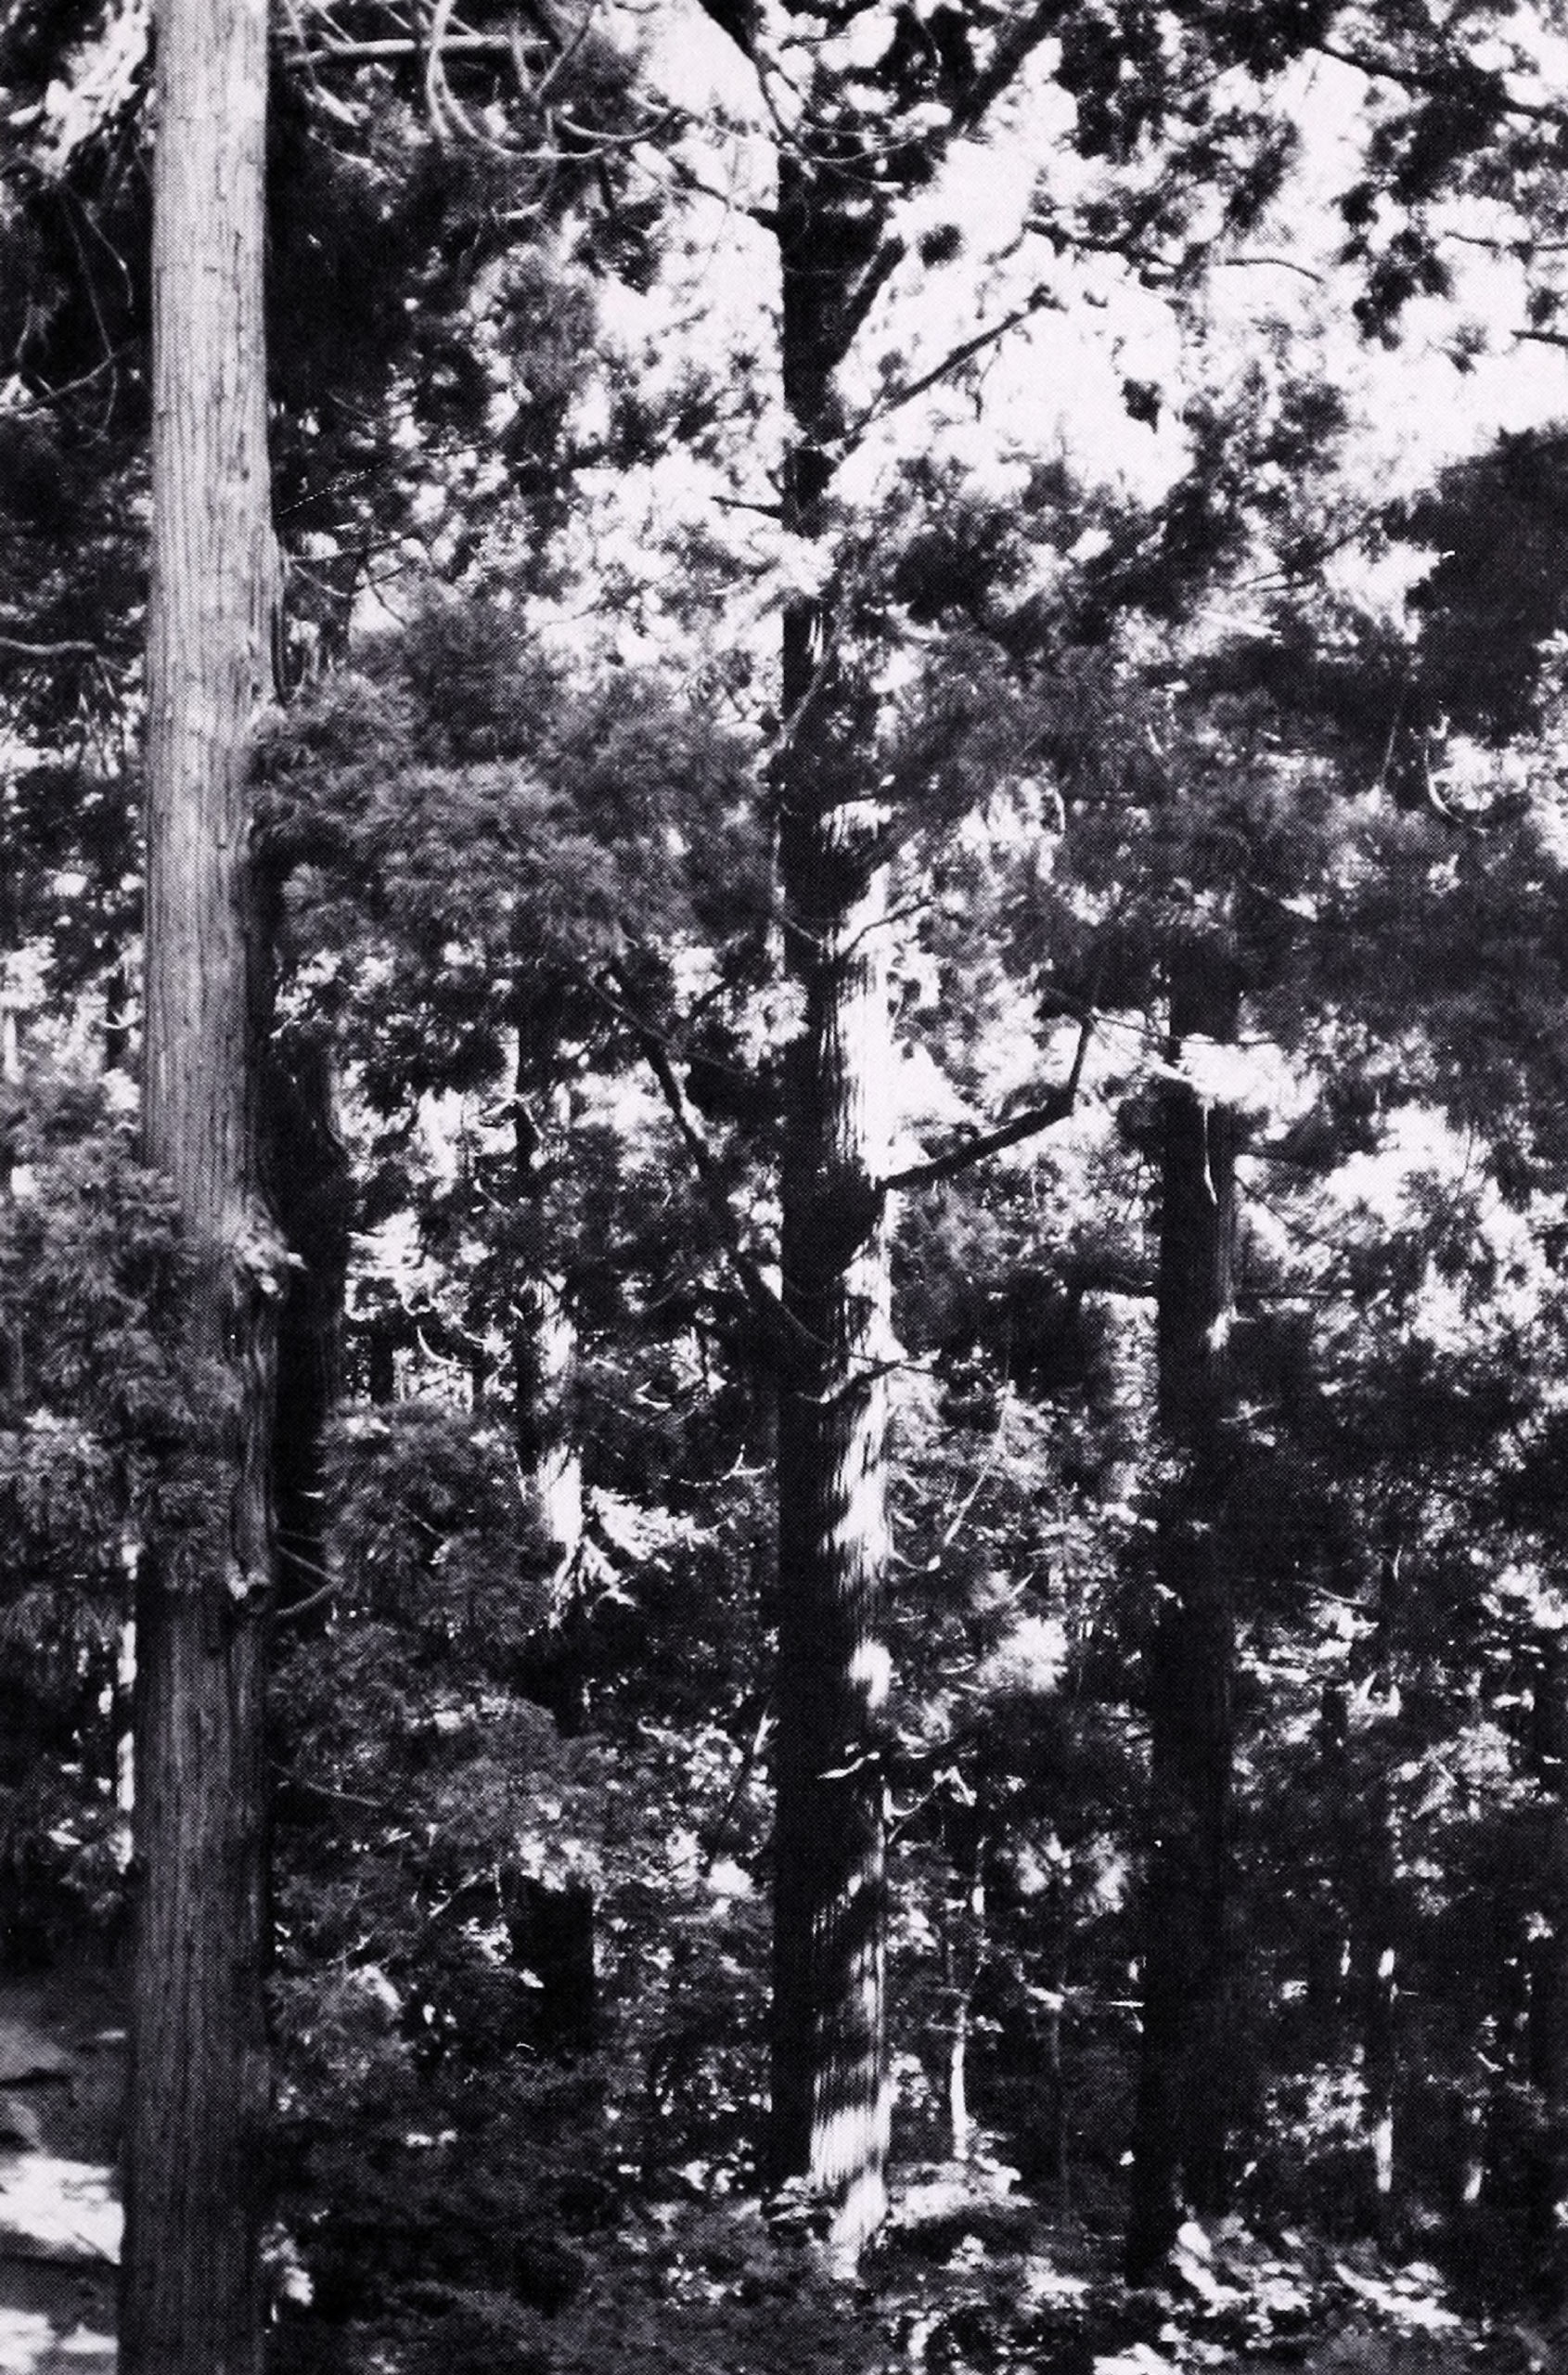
{"x": 61, "y": 2084}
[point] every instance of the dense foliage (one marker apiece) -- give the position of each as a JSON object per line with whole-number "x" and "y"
{"x": 1184, "y": 809}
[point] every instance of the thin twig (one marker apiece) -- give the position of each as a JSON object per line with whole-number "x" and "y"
{"x": 297, "y": 1608}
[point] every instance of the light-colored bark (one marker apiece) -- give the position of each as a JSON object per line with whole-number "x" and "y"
{"x": 543, "y": 1335}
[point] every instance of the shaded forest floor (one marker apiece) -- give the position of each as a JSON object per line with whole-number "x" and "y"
{"x": 970, "y": 2279}
{"x": 962, "y": 2284}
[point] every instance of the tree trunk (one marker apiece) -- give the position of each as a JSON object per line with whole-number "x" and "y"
{"x": 1379, "y": 2073}
{"x": 1331, "y": 1942}
{"x": 551, "y": 1927}
{"x": 829, "y": 2107}
{"x": 1183, "y": 2109}
{"x": 191, "y": 2294}
{"x": 1378, "y": 1918}
{"x": 829, "y": 2075}
{"x": 543, "y": 1339}
{"x": 963, "y": 1958}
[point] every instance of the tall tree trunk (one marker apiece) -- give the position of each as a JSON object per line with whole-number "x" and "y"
{"x": 1377, "y": 1920}
{"x": 1183, "y": 2108}
{"x": 543, "y": 1339}
{"x": 963, "y": 1961}
{"x": 1330, "y": 1941}
{"x": 1380, "y": 2071}
{"x": 829, "y": 2107}
{"x": 190, "y": 2294}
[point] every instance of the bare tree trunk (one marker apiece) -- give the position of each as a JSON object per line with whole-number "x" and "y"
{"x": 830, "y": 2101}
{"x": 1183, "y": 2110}
{"x": 190, "y": 2294}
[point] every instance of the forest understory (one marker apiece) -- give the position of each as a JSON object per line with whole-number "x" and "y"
{"x": 784, "y": 1186}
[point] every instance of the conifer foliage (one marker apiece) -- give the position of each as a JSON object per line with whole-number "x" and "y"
{"x": 827, "y": 1412}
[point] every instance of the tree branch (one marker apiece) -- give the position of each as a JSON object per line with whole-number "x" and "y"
{"x": 1278, "y": 263}
{"x": 1066, "y": 239}
{"x": 313, "y": 1600}
{"x": 767, "y": 1303}
{"x": 1041, "y": 299}
{"x": 1439, "y": 84}
{"x": 1008, "y": 1134}
{"x": 364, "y": 53}
{"x": 1013, "y": 47}
{"x": 868, "y": 288}
{"x": 70, "y": 650}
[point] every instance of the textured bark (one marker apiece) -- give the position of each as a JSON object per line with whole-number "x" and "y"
{"x": 830, "y": 2080}
{"x": 190, "y": 2300}
{"x": 1183, "y": 2109}
{"x": 829, "y": 2107}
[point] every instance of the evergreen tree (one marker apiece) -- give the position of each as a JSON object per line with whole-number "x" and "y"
{"x": 1184, "y": 2112}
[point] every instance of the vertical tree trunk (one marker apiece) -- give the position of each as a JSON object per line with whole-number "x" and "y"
{"x": 544, "y": 1365}
{"x": 1377, "y": 1917}
{"x": 830, "y": 2107}
{"x": 190, "y": 2298}
{"x": 1057, "y": 2156}
{"x": 963, "y": 1957}
{"x": 1379, "y": 2072}
{"x": 1329, "y": 1942}
{"x": 1183, "y": 2108}
{"x": 543, "y": 1339}
{"x": 552, "y": 1930}
{"x": 829, "y": 2076}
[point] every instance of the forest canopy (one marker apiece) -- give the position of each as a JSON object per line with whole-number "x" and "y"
{"x": 784, "y": 1174}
